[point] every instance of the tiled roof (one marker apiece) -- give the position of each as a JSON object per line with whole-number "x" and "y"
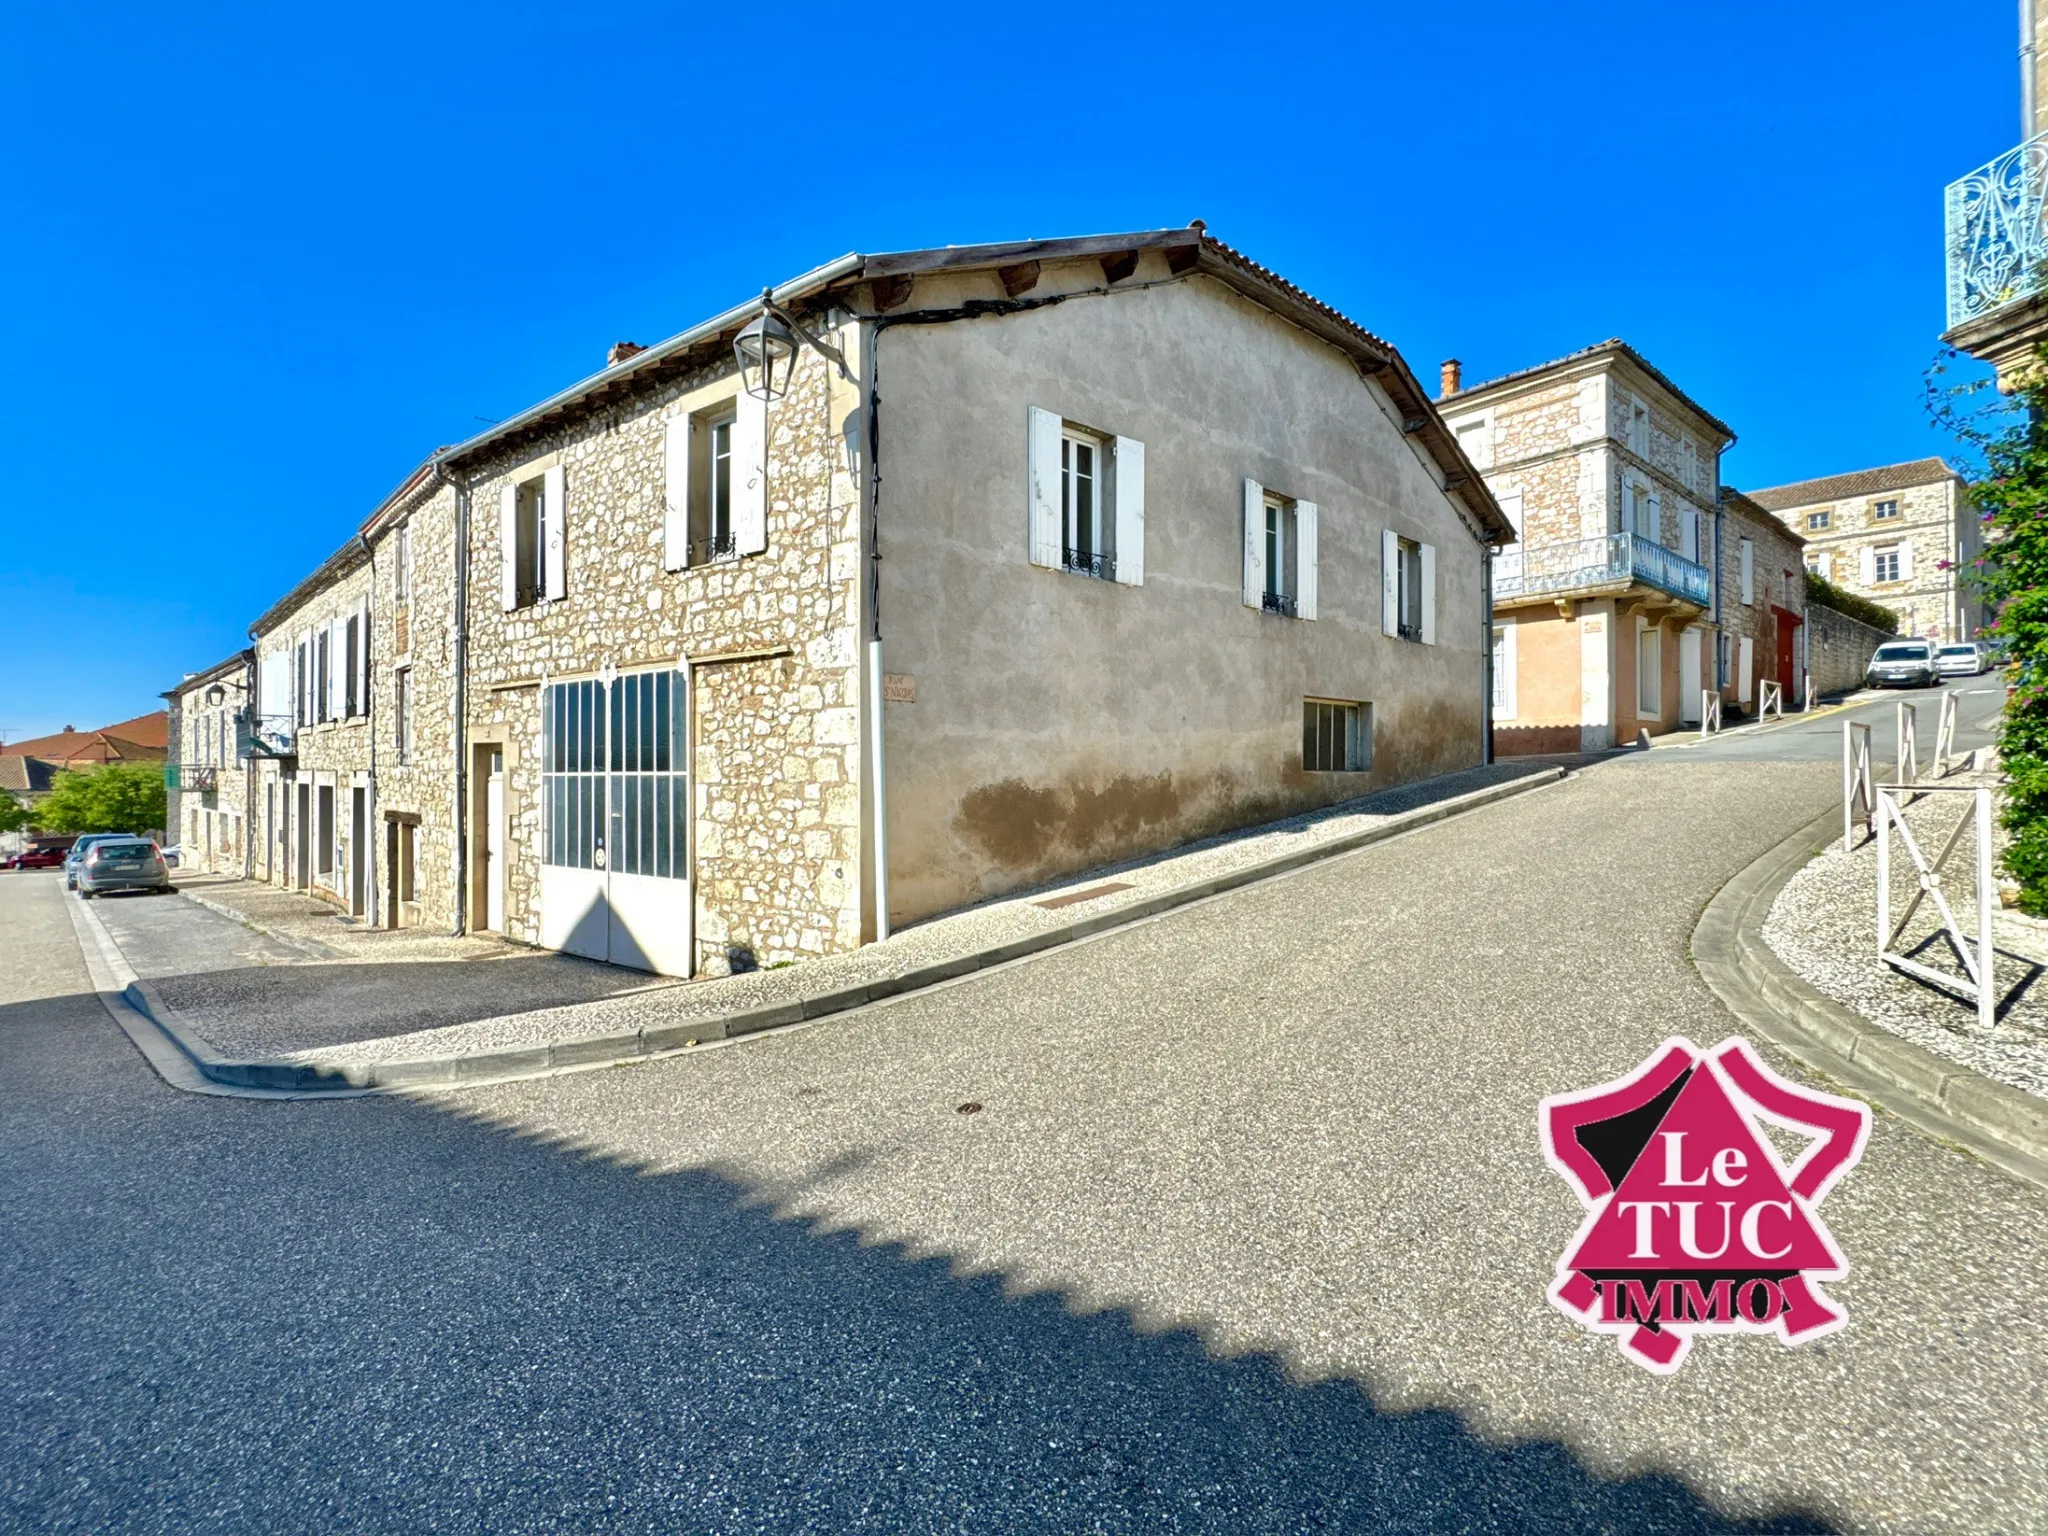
{"x": 1742, "y": 505}
{"x": 1861, "y": 482}
{"x": 150, "y": 730}
{"x": 1613, "y": 344}
{"x": 85, "y": 747}
{"x": 25, "y": 775}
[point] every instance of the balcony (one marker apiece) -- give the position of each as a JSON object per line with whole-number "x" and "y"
{"x": 191, "y": 778}
{"x": 265, "y": 736}
{"x": 1994, "y": 235}
{"x": 1608, "y": 561}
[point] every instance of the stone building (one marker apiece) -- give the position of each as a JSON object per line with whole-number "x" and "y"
{"x": 206, "y": 807}
{"x": 1900, "y": 536}
{"x": 1760, "y": 605}
{"x": 1607, "y": 617}
{"x": 1025, "y": 558}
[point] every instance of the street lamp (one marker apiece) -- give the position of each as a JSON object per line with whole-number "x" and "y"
{"x": 766, "y": 349}
{"x": 215, "y": 694}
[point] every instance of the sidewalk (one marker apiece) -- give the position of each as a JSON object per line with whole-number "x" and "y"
{"x": 656, "y": 1017}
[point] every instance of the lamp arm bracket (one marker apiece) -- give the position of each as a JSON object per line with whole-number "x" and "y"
{"x": 805, "y": 335}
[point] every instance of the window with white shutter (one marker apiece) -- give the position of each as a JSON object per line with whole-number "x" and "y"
{"x": 1087, "y": 499}
{"x": 1426, "y": 578}
{"x": 555, "y": 522}
{"x": 749, "y": 475}
{"x": 1390, "y": 582}
{"x": 1747, "y": 567}
{"x": 1504, "y": 707}
{"x": 510, "y": 595}
{"x": 1408, "y": 589}
{"x": 1254, "y": 544}
{"x": 1043, "y": 486}
{"x": 1305, "y": 556}
{"x": 1280, "y": 553}
{"x": 1127, "y": 502}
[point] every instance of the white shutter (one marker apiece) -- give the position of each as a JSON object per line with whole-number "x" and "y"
{"x": 1689, "y": 533}
{"x": 1504, "y": 681}
{"x": 1305, "y": 559}
{"x": 1748, "y": 571}
{"x": 1254, "y": 544}
{"x": 337, "y": 667}
{"x": 1656, "y": 509}
{"x": 1744, "y": 666}
{"x": 1390, "y": 582}
{"x": 1511, "y": 509}
{"x": 1429, "y": 594}
{"x": 1866, "y": 569}
{"x": 1130, "y": 511}
{"x": 675, "y": 516}
{"x": 554, "y": 554}
{"x": 1905, "y": 560}
{"x": 750, "y": 476}
{"x": 508, "y": 546}
{"x": 1042, "y": 488}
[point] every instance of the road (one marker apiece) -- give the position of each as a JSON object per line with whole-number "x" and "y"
{"x": 1250, "y": 1233}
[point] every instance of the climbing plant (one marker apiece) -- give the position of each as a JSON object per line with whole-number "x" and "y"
{"x": 2008, "y": 440}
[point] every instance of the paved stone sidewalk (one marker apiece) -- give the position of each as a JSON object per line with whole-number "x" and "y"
{"x": 320, "y": 931}
{"x": 974, "y": 929}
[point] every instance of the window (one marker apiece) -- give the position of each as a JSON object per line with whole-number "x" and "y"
{"x": 352, "y": 703}
{"x": 528, "y": 528}
{"x": 615, "y": 756}
{"x": 323, "y": 682}
{"x": 401, "y": 565}
{"x": 323, "y": 842}
{"x": 1088, "y": 545}
{"x": 1642, "y": 513}
{"x": 1688, "y": 464}
{"x": 1649, "y": 671}
{"x": 1336, "y": 737}
{"x": 1086, "y": 491}
{"x": 1818, "y": 563}
{"x": 1746, "y": 555}
{"x": 1283, "y": 542}
{"x": 716, "y": 489}
{"x": 1410, "y": 557}
{"x": 1884, "y": 564}
{"x": 1817, "y": 522}
{"x": 1638, "y": 427}
{"x": 1476, "y": 438}
{"x": 401, "y": 712}
{"x": 1881, "y": 510}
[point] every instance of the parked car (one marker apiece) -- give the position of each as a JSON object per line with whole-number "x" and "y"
{"x": 36, "y": 858}
{"x": 173, "y": 854}
{"x": 78, "y": 852}
{"x": 122, "y": 864}
{"x": 1903, "y": 664}
{"x": 1963, "y": 660}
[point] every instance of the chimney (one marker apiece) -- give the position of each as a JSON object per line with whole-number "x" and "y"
{"x": 1452, "y": 378}
{"x": 69, "y": 729}
{"x": 621, "y": 350}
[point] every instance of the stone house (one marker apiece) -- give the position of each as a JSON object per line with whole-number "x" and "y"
{"x": 1029, "y": 558}
{"x": 1606, "y": 615}
{"x": 1898, "y": 535}
{"x": 206, "y": 777}
{"x": 1760, "y": 605}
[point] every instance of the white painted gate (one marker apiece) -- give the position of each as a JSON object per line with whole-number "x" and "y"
{"x": 615, "y": 879}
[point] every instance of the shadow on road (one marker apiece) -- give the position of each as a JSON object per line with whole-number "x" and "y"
{"x": 235, "y": 1315}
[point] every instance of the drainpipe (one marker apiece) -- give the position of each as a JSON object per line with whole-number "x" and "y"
{"x": 460, "y": 672}
{"x": 871, "y": 536}
{"x": 371, "y": 906}
{"x": 1720, "y": 629}
{"x": 2026, "y": 70}
{"x": 1486, "y": 646}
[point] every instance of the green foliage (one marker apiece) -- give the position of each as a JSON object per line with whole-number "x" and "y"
{"x": 1824, "y": 593}
{"x": 13, "y": 814}
{"x": 2011, "y": 498}
{"x": 121, "y": 797}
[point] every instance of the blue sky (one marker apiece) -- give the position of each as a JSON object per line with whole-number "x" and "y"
{"x": 260, "y": 261}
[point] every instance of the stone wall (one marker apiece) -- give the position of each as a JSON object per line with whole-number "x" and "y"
{"x": 1779, "y": 581}
{"x": 211, "y": 827}
{"x": 1838, "y": 649}
{"x": 770, "y": 642}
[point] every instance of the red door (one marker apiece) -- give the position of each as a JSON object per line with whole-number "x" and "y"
{"x": 1787, "y": 627}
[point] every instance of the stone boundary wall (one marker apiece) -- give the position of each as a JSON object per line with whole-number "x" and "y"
{"x": 1838, "y": 648}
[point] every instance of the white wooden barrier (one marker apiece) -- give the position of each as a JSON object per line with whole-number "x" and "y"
{"x": 1859, "y": 797}
{"x": 1710, "y": 712}
{"x": 1978, "y": 984}
{"x": 1771, "y": 701}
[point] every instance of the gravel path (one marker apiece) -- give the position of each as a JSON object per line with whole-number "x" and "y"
{"x": 1823, "y": 925}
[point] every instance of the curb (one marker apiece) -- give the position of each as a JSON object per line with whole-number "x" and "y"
{"x": 2001, "y": 1124}
{"x": 310, "y": 948}
{"x": 325, "y": 1075}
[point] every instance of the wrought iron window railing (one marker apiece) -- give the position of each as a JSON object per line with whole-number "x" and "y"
{"x": 1409, "y": 631}
{"x": 1993, "y": 224}
{"x": 1278, "y": 602}
{"x": 1090, "y": 562}
{"x": 715, "y": 549}
{"x": 1607, "y": 559}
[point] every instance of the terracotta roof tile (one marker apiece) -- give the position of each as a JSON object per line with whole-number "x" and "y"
{"x": 1861, "y": 482}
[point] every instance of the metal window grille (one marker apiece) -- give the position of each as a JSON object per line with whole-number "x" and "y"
{"x": 1332, "y": 736}
{"x": 614, "y": 780}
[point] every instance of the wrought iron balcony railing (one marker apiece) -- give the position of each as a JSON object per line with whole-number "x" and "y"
{"x": 1605, "y": 560}
{"x": 1278, "y": 602}
{"x": 1090, "y": 562}
{"x": 266, "y": 736}
{"x": 191, "y": 778}
{"x": 715, "y": 550}
{"x": 1993, "y": 226}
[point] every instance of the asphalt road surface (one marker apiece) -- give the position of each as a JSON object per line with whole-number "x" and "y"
{"x": 1250, "y": 1233}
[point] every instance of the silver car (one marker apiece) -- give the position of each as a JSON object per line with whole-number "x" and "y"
{"x": 1963, "y": 660}
{"x": 79, "y": 850}
{"x": 1903, "y": 664}
{"x": 122, "y": 864}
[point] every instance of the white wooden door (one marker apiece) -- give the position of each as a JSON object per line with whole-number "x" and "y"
{"x": 1689, "y": 684}
{"x": 494, "y": 845}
